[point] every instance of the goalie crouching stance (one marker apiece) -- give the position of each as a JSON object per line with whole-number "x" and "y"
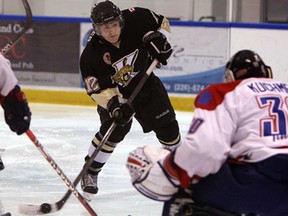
{"x": 234, "y": 159}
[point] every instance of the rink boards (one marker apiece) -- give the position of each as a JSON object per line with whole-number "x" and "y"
{"x": 79, "y": 97}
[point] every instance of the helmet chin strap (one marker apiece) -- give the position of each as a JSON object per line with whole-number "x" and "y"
{"x": 269, "y": 71}
{"x": 228, "y": 76}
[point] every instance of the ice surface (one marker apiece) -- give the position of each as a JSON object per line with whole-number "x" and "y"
{"x": 66, "y": 132}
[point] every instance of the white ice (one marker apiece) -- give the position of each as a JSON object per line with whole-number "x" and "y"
{"x": 65, "y": 132}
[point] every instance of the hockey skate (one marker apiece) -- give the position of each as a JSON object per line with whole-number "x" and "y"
{"x": 89, "y": 186}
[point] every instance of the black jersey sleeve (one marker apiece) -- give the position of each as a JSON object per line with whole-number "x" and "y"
{"x": 143, "y": 19}
{"x": 95, "y": 71}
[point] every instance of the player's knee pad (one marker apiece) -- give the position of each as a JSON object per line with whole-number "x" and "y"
{"x": 169, "y": 135}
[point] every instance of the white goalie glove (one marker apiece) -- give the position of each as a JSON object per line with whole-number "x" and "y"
{"x": 148, "y": 174}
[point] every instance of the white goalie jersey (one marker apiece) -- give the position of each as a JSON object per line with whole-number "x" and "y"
{"x": 245, "y": 120}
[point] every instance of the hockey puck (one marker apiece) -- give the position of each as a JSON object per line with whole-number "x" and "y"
{"x": 45, "y": 208}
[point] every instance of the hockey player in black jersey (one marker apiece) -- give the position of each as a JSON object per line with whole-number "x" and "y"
{"x": 117, "y": 55}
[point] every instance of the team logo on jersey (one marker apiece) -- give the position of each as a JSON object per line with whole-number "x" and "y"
{"x": 107, "y": 58}
{"x": 125, "y": 69}
{"x": 123, "y": 77}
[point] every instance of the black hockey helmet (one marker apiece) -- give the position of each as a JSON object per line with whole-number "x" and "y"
{"x": 104, "y": 13}
{"x": 245, "y": 64}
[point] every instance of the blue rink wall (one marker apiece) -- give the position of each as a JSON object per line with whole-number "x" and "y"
{"x": 46, "y": 60}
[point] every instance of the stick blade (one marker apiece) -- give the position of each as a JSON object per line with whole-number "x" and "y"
{"x": 28, "y": 209}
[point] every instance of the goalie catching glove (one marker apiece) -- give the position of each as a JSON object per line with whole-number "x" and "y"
{"x": 154, "y": 173}
{"x": 157, "y": 45}
{"x": 16, "y": 111}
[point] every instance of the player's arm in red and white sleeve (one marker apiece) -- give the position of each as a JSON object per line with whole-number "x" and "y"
{"x": 16, "y": 110}
{"x": 8, "y": 80}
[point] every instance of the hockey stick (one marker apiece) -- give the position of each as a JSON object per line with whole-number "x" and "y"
{"x": 27, "y": 26}
{"x": 45, "y": 207}
{"x": 53, "y": 207}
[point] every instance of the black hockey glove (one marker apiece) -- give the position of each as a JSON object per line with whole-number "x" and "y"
{"x": 157, "y": 45}
{"x": 121, "y": 112}
{"x": 16, "y": 111}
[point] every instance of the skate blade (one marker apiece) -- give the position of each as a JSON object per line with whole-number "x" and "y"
{"x": 88, "y": 196}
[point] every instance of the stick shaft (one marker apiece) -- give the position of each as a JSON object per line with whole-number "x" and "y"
{"x": 60, "y": 203}
{"x": 28, "y": 25}
{"x": 55, "y": 166}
